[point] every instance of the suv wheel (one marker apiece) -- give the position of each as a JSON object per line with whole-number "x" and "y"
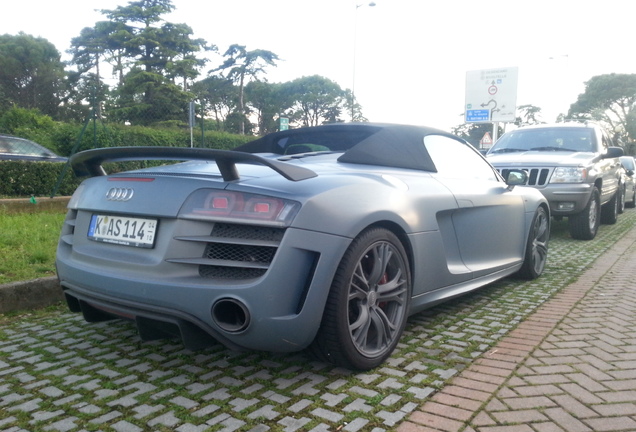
{"x": 632, "y": 202}
{"x": 584, "y": 225}
{"x": 621, "y": 203}
{"x": 609, "y": 212}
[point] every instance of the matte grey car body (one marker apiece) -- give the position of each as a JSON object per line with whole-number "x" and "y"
{"x": 325, "y": 238}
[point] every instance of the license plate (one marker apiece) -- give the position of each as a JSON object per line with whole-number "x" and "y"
{"x": 123, "y": 230}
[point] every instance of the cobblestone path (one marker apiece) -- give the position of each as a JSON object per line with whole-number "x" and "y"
{"x": 59, "y": 373}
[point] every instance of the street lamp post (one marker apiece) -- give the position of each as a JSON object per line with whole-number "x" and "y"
{"x": 355, "y": 36}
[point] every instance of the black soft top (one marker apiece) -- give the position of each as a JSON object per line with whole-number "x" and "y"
{"x": 390, "y": 145}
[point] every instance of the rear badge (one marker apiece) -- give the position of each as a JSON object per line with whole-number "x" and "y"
{"x": 119, "y": 194}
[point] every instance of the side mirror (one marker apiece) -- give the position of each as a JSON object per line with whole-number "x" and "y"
{"x": 614, "y": 152}
{"x": 516, "y": 177}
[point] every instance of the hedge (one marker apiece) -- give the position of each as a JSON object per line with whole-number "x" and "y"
{"x": 24, "y": 179}
{"x": 66, "y": 137}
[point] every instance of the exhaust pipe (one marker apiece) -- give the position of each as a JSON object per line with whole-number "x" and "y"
{"x": 231, "y": 315}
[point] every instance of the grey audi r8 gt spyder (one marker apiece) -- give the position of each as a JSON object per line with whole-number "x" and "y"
{"x": 323, "y": 238}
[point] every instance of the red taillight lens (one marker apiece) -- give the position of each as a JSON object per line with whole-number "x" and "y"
{"x": 237, "y": 206}
{"x": 220, "y": 203}
{"x": 261, "y": 207}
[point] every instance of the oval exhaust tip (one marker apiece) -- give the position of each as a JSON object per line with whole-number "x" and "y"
{"x": 231, "y": 315}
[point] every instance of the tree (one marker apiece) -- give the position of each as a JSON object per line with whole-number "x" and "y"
{"x": 104, "y": 41}
{"x": 528, "y": 115}
{"x": 86, "y": 92}
{"x": 180, "y": 53}
{"x": 609, "y": 99}
{"x": 241, "y": 65}
{"x": 352, "y": 106}
{"x": 315, "y": 100}
{"x": 269, "y": 101}
{"x": 88, "y": 50}
{"x": 32, "y": 74}
{"x": 147, "y": 97}
{"x": 139, "y": 37}
{"x": 218, "y": 98}
{"x": 164, "y": 52}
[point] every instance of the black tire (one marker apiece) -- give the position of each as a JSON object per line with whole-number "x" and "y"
{"x": 368, "y": 303}
{"x": 584, "y": 225}
{"x": 609, "y": 212}
{"x": 632, "y": 203}
{"x": 621, "y": 202}
{"x": 537, "y": 248}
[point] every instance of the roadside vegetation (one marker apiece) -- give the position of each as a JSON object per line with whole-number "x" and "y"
{"x": 168, "y": 80}
{"x": 28, "y": 239}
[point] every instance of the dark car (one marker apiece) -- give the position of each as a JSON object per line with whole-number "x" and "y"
{"x": 20, "y": 149}
{"x": 325, "y": 238}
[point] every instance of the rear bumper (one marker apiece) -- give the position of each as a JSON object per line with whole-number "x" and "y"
{"x": 284, "y": 306}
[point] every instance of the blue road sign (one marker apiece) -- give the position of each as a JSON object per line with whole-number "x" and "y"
{"x": 480, "y": 115}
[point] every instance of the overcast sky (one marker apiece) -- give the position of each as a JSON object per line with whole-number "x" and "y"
{"x": 411, "y": 56}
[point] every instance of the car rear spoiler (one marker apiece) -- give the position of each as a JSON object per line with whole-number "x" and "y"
{"x": 89, "y": 162}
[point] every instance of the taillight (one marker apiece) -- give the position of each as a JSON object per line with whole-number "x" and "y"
{"x": 238, "y": 206}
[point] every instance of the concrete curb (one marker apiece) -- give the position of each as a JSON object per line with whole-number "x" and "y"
{"x": 25, "y": 205}
{"x": 32, "y": 294}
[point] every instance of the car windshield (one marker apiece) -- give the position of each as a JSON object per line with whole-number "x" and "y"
{"x": 547, "y": 139}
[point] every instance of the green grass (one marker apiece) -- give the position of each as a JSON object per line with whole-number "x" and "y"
{"x": 27, "y": 243}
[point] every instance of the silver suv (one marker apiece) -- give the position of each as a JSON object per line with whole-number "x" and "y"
{"x": 574, "y": 165}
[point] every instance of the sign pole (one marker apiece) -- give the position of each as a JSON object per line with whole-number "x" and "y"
{"x": 191, "y": 121}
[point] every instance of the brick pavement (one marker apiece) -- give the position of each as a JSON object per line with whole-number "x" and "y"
{"x": 571, "y": 366}
{"x": 59, "y": 373}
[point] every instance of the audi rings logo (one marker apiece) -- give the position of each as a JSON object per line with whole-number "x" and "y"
{"x": 119, "y": 194}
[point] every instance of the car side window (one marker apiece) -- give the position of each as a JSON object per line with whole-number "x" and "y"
{"x": 5, "y": 146}
{"x": 455, "y": 159}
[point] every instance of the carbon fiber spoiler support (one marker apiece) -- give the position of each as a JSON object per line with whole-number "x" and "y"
{"x": 89, "y": 162}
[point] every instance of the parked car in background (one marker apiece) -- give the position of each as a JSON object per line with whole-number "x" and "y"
{"x": 20, "y": 149}
{"x": 325, "y": 238}
{"x": 575, "y": 165}
{"x": 629, "y": 181}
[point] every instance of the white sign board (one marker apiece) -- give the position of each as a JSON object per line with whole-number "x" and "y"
{"x": 491, "y": 95}
{"x": 486, "y": 141}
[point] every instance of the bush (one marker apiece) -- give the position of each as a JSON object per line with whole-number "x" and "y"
{"x": 20, "y": 179}
{"x": 24, "y": 179}
{"x": 29, "y": 124}
{"x": 67, "y": 137}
